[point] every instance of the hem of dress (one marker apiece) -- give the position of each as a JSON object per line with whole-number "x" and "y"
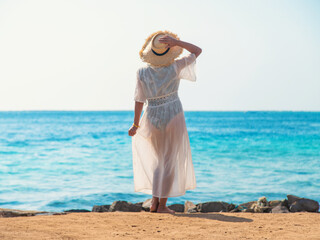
{"x": 141, "y": 101}
{"x": 143, "y": 190}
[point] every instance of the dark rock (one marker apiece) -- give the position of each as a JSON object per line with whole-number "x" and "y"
{"x": 307, "y": 205}
{"x": 102, "y": 208}
{"x": 51, "y": 213}
{"x": 292, "y": 199}
{"x": 280, "y": 209}
{"x": 15, "y": 214}
{"x": 139, "y": 204}
{"x": 77, "y": 210}
{"x": 248, "y": 205}
{"x": 192, "y": 210}
{"x": 279, "y": 206}
{"x": 258, "y": 209}
{"x": 262, "y": 206}
{"x": 285, "y": 203}
{"x": 5, "y": 212}
{"x": 297, "y": 204}
{"x": 275, "y": 203}
{"x": 189, "y": 207}
{"x": 262, "y": 202}
{"x": 177, "y": 207}
{"x": 125, "y": 206}
{"x": 235, "y": 210}
{"x": 231, "y": 206}
{"x": 218, "y": 206}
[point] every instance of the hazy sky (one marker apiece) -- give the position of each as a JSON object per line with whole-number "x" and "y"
{"x": 83, "y": 55}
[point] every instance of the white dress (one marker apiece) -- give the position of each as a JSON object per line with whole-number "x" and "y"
{"x": 162, "y": 162}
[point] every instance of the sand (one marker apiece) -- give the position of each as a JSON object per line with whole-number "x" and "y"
{"x": 145, "y": 225}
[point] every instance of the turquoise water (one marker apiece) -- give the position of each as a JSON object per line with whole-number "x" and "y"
{"x": 54, "y": 161}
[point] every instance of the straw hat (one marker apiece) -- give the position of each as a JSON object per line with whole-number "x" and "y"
{"x": 158, "y": 54}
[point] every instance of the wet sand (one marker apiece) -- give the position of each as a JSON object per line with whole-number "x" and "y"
{"x": 145, "y": 225}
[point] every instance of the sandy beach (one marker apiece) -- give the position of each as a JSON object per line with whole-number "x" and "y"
{"x": 145, "y": 225}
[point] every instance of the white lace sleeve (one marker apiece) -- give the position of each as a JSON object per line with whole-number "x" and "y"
{"x": 186, "y": 67}
{"x": 139, "y": 95}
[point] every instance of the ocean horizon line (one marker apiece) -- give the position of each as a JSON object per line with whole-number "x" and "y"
{"x": 126, "y": 110}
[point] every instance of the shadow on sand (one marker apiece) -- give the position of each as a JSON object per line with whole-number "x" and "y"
{"x": 214, "y": 216}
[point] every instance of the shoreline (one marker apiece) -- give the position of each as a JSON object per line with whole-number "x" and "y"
{"x": 259, "y": 219}
{"x": 291, "y": 204}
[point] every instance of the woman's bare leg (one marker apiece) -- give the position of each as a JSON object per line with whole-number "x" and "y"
{"x": 162, "y": 208}
{"x": 154, "y": 204}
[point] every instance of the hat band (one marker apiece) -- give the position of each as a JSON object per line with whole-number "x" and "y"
{"x": 160, "y": 54}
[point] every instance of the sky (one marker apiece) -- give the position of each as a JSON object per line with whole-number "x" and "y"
{"x": 83, "y": 55}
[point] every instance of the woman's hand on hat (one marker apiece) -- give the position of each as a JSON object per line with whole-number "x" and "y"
{"x": 170, "y": 41}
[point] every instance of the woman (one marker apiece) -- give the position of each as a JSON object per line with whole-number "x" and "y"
{"x": 162, "y": 161}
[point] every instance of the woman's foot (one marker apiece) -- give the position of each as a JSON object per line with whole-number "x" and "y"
{"x": 154, "y": 206}
{"x": 164, "y": 209}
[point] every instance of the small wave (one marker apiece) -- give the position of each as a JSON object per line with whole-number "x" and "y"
{"x": 8, "y": 152}
{"x": 17, "y": 143}
{"x": 292, "y": 172}
{"x": 299, "y": 183}
{"x": 58, "y": 139}
{"x": 314, "y": 124}
{"x": 10, "y": 203}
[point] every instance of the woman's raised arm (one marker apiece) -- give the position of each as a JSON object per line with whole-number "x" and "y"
{"x": 171, "y": 42}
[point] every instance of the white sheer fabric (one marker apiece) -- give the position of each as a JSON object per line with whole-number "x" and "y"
{"x": 162, "y": 161}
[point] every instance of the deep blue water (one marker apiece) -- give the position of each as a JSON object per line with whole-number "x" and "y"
{"x": 55, "y": 161}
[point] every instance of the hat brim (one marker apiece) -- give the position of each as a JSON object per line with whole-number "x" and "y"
{"x": 167, "y": 59}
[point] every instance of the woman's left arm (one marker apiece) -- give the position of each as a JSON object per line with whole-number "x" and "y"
{"x": 137, "y": 113}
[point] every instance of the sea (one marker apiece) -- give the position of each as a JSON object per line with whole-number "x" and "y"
{"x": 62, "y": 160}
